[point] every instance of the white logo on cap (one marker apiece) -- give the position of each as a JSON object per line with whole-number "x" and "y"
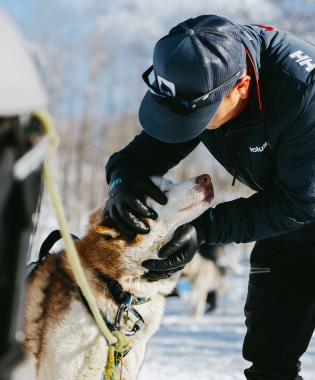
{"x": 166, "y": 86}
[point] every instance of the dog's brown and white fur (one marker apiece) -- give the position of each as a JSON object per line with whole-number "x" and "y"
{"x": 63, "y": 341}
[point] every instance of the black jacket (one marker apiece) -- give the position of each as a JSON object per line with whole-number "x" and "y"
{"x": 270, "y": 146}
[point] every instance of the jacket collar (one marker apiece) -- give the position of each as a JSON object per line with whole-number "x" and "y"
{"x": 252, "y": 114}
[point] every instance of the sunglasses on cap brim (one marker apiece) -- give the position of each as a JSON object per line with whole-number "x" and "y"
{"x": 175, "y": 102}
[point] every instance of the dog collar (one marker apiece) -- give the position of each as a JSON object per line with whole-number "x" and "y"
{"x": 125, "y": 300}
{"x": 120, "y": 296}
{"x": 123, "y": 308}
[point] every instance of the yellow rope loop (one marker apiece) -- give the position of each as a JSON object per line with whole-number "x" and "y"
{"x": 122, "y": 341}
{"x": 121, "y": 345}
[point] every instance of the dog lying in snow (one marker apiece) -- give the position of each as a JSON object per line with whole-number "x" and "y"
{"x": 62, "y": 339}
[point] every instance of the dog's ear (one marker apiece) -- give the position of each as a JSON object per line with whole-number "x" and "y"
{"x": 107, "y": 228}
{"x": 112, "y": 232}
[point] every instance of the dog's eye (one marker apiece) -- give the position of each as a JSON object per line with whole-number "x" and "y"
{"x": 107, "y": 237}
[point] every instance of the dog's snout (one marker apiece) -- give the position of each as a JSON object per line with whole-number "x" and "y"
{"x": 203, "y": 180}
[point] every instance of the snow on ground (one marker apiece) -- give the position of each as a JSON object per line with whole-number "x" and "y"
{"x": 209, "y": 348}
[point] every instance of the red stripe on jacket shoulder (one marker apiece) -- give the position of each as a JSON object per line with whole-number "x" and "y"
{"x": 270, "y": 28}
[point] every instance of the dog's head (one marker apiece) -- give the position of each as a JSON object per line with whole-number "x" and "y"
{"x": 121, "y": 256}
{"x": 186, "y": 201}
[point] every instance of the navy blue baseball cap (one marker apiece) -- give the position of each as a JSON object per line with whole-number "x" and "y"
{"x": 194, "y": 67}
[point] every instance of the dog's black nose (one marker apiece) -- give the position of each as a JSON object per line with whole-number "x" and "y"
{"x": 203, "y": 180}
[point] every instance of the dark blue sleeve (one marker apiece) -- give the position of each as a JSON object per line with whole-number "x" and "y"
{"x": 289, "y": 203}
{"x": 152, "y": 156}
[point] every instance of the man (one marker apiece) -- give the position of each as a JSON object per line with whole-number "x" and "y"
{"x": 246, "y": 93}
{"x": 21, "y": 94}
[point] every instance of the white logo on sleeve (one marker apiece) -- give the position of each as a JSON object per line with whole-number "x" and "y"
{"x": 166, "y": 86}
{"x": 303, "y": 60}
{"x": 257, "y": 149}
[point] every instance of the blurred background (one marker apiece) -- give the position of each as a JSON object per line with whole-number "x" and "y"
{"x": 92, "y": 53}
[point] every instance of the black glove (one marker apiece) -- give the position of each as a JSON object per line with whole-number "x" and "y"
{"x": 125, "y": 205}
{"x": 177, "y": 252}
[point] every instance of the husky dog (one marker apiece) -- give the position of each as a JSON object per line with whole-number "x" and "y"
{"x": 62, "y": 340}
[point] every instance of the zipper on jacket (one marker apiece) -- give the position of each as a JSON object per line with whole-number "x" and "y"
{"x": 225, "y": 135}
{"x": 234, "y": 171}
{"x": 239, "y": 153}
{"x": 234, "y": 179}
{"x": 253, "y": 179}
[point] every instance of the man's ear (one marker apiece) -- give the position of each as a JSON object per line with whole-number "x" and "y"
{"x": 243, "y": 86}
{"x": 107, "y": 228}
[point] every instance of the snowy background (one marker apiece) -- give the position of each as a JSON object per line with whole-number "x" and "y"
{"x": 91, "y": 54}
{"x": 209, "y": 348}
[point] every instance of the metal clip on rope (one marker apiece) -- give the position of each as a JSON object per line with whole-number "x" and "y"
{"x": 123, "y": 308}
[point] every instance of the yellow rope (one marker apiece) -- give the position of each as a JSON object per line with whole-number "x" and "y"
{"x": 121, "y": 365}
{"x": 117, "y": 340}
{"x": 123, "y": 344}
{"x": 110, "y": 365}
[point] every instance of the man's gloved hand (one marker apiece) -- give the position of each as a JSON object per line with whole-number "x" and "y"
{"x": 125, "y": 205}
{"x": 176, "y": 253}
